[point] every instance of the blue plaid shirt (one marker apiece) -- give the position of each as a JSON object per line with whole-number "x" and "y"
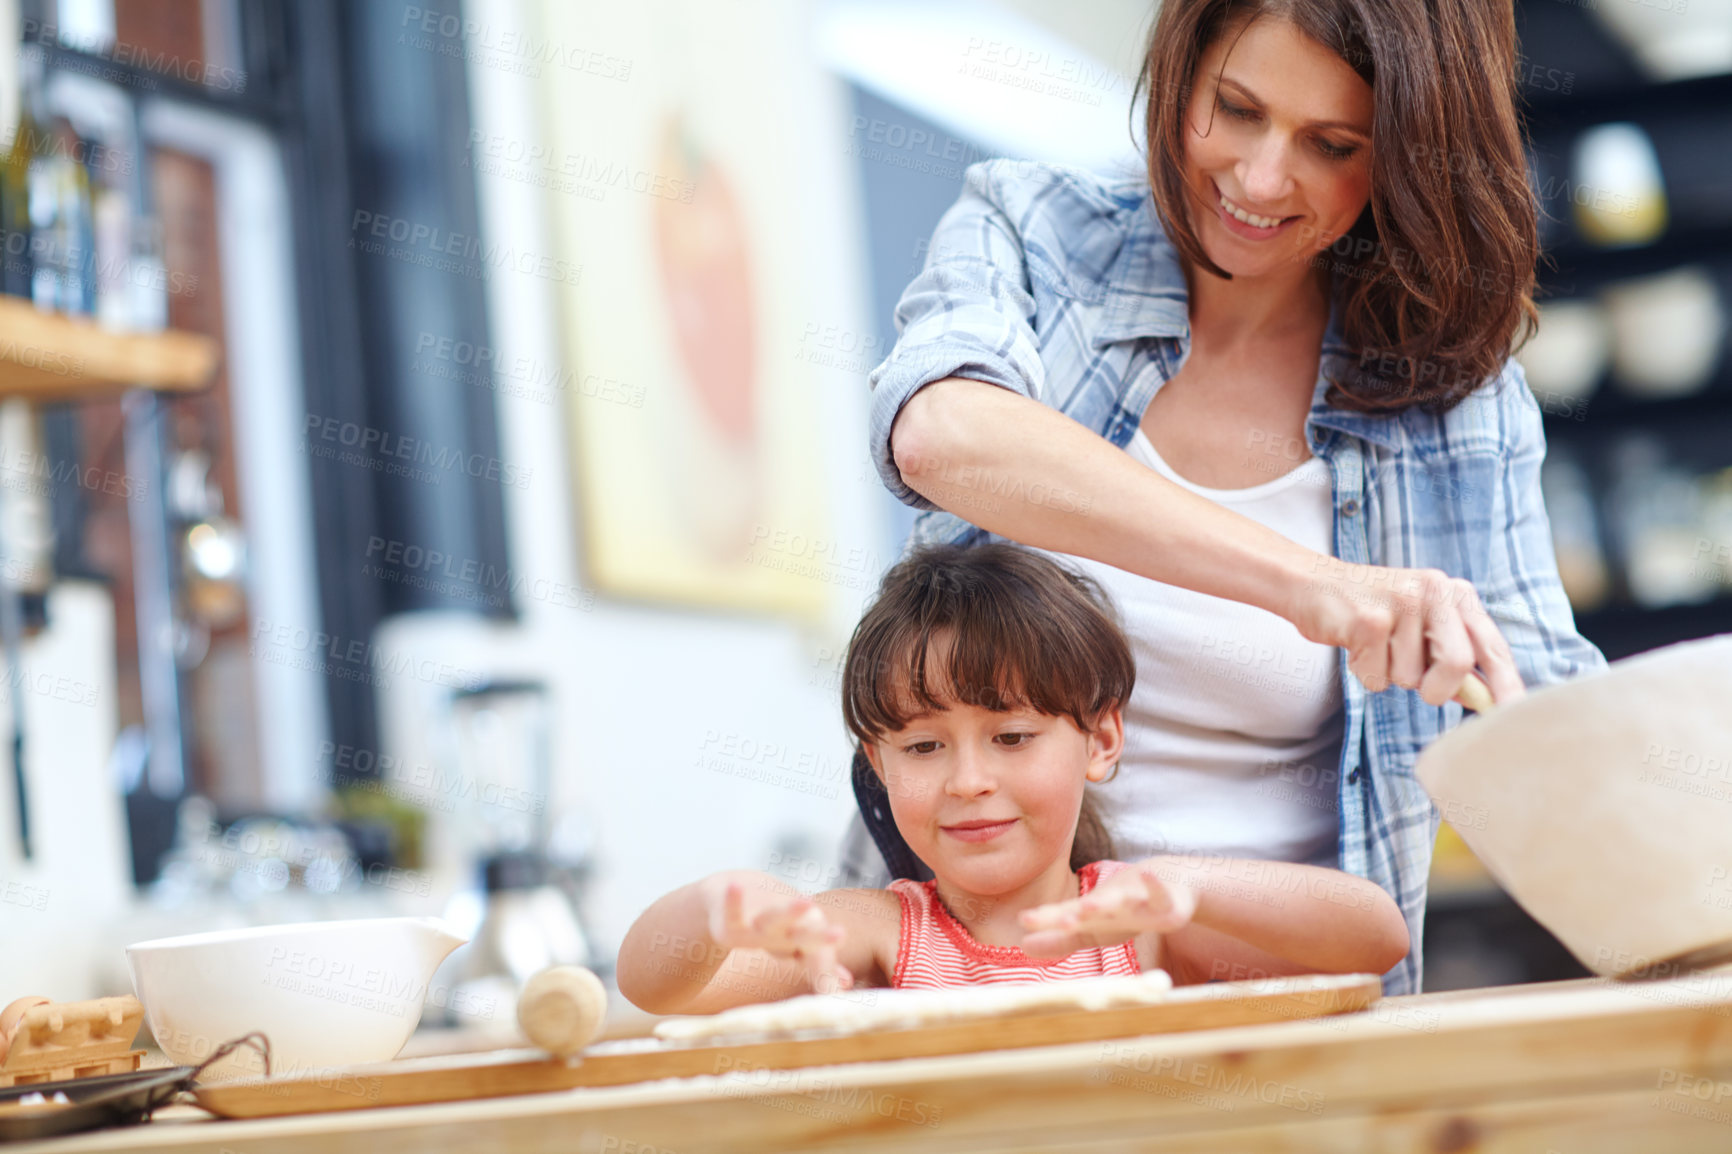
{"x": 1061, "y": 286}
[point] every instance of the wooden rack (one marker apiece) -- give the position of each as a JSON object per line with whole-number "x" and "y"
{"x": 61, "y": 1040}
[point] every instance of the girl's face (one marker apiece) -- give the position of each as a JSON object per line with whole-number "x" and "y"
{"x": 1277, "y": 148}
{"x": 990, "y": 800}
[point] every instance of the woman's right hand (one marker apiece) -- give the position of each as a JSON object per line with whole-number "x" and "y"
{"x": 1417, "y": 628}
{"x": 787, "y": 925}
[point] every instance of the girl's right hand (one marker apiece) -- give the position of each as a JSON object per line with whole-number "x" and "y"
{"x": 1417, "y": 628}
{"x": 785, "y": 925}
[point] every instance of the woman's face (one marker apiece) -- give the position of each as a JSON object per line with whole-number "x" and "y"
{"x": 1277, "y": 148}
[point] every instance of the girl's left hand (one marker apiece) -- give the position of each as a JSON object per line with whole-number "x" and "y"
{"x": 1129, "y": 903}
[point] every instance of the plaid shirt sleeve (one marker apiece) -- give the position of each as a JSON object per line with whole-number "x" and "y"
{"x": 1523, "y": 592}
{"x": 969, "y": 313}
{"x": 1520, "y": 588}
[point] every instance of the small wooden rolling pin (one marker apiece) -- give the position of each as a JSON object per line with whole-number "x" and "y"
{"x": 562, "y": 1009}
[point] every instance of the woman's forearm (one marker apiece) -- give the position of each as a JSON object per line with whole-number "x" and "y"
{"x": 1025, "y": 471}
{"x": 1320, "y": 918}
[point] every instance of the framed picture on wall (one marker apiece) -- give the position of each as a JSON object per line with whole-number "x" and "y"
{"x": 671, "y": 149}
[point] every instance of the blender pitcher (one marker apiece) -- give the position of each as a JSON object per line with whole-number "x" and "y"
{"x": 499, "y": 740}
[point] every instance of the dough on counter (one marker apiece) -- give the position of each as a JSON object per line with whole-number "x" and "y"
{"x": 866, "y": 1010}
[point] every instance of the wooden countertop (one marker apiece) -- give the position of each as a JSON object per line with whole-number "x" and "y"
{"x": 1578, "y": 1067}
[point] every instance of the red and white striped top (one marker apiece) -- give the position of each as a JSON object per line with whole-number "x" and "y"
{"x": 937, "y": 951}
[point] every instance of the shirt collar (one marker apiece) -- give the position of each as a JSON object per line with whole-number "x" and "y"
{"x": 1144, "y": 286}
{"x": 1145, "y": 296}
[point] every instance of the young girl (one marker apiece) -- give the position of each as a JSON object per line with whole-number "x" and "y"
{"x": 986, "y": 685}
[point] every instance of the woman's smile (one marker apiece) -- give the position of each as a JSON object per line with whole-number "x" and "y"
{"x": 1241, "y": 221}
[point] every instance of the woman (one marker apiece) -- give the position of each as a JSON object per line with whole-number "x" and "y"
{"x": 1265, "y": 397}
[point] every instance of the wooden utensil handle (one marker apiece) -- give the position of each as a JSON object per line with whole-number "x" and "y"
{"x": 1475, "y": 694}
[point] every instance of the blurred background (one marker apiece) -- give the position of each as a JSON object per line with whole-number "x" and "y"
{"x": 450, "y": 495}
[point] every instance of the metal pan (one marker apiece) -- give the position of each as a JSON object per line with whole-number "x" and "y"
{"x": 109, "y": 1100}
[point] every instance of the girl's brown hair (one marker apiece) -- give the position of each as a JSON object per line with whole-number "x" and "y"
{"x": 1436, "y": 278}
{"x": 1015, "y": 629}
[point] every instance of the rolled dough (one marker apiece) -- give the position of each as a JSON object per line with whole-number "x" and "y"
{"x": 864, "y": 1011}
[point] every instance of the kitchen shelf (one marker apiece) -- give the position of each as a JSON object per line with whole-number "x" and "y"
{"x": 1608, "y": 410}
{"x": 1625, "y": 630}
{"x": 47, "y": 356}
{"x": 1571, "y": 267}
{"x": 1633, "y": 99}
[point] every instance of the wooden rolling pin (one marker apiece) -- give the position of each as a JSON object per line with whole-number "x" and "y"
{"x": 562, "y": 1009}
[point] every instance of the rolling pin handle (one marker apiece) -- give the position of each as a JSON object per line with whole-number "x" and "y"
{"x": 1475, "y": 694}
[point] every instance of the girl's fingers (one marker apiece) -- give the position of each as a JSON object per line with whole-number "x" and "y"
{"x": 811, "y": 924}
{"x": 831, "y": 977}
{"x": 1115, "y": 900}
{"x": 734, "y": 904}
{"x": 823, "y": 968}
{"x": 1049, "y": 943}
{"x": 1044, "y": 917}
{"x": 1057, "y": 943}
{"x": 733, "y": 926}
{"x": 809, "y": 935}
{"x": 1169, "y": 907}
{"x": 1154, "y": 886}
{"x": 1108, "y": 911}
{"x": 1182, "y": 907}
{"x": 777, "y": 920}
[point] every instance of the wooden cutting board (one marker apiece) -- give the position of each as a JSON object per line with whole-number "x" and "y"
{"x": 458, "y": 1077}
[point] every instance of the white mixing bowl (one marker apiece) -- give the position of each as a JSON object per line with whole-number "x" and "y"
{"x": 326, "y": 994}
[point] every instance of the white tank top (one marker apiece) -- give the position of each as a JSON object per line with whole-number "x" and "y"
{"x": 1233, "y": 733}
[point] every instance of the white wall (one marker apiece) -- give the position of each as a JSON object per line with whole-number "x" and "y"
{"x": 1026, "y": 85}
{"x": 55, "y": 908}
{"x": 645, "y": 695}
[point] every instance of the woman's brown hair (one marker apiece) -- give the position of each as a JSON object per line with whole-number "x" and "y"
{"x": 1013, "y": 629}
{"x": 1436, "y": 278}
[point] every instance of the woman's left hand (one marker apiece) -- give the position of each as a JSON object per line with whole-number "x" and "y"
{"x": 1131, "y": 902}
